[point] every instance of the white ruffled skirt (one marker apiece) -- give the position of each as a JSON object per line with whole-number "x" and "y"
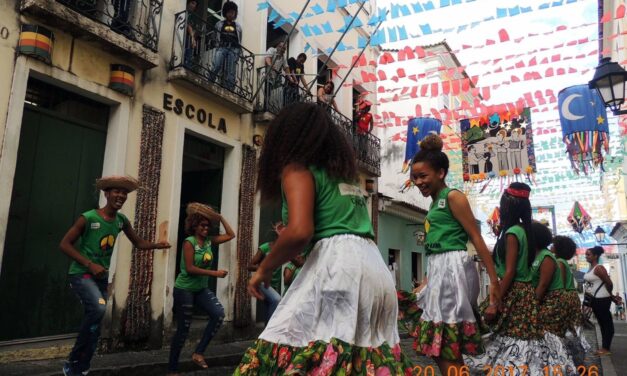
{"x": 344, "y": 291}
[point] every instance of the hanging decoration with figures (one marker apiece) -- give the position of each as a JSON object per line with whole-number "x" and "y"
{"x": 498, "y": 148}
{"x": 584, "y": 127}
{"x": 579, "y": 218}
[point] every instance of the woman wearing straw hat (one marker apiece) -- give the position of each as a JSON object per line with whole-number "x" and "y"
{"x": 97, "y": 230}
{"x": 191, "y": 284}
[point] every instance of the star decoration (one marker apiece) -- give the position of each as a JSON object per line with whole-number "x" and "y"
{"x": 414, "y": 130}
{"x": 600, "y": 119}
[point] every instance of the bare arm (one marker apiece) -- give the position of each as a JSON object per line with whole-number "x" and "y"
{"x": 600, "y": 272}
{"x": 67, "y": 247}
{"x": 140, "y": 243}
{"x": 256, "y": 260}
{"x": 547, "y": 268}
{"x": 223, "y": 238}
{"x": 511, "y": 255}
{"x": 299, "y": 188}
{"x": 288, "y": 275}
{"x": 188, "y": 255}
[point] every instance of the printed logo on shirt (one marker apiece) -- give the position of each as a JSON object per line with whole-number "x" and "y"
{"x": 106, "y": 243}
{"x": 207, "y": 257}
{"x": 94, "y": 226}
{"x": 427, "y": 225}
{"x": 350, "y": 190}
{"x": 441, "y": 203}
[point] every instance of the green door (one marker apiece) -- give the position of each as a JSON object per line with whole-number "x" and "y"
{"x": 58, "y": 161}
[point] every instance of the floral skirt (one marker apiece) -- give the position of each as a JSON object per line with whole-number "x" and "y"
{"x": 519, "y": 312}
{"x": 516, "y": 345}
{"x": 573, "y": 318}
{"x": 553, "y": 313}
{"x": 447, "y": 326}
{"x": 323, "y": 358}
{"x": 338, "y": 317}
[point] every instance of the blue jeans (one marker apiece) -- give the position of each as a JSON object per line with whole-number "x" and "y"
{"x": 183, "y": 308}
{"x": 92, "y": 293}
{"x": 271, "y": 301}
{"x": 225, "y": 61}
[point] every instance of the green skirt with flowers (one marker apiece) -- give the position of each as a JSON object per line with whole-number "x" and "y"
{"x": 321, "y": 358}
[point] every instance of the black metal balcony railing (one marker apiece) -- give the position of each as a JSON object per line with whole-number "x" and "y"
{"x": 366, "y": 145}
{"x": 138, "y": 20}
{"x": 277, "y": 92}
{"x": 194, "y": 47}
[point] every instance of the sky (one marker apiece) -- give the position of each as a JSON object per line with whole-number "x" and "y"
{"x": 528, "y": 34}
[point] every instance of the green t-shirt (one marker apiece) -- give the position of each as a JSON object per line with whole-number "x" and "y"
{"x": 556, "y": 281}
{"x": 523, "y": 272}
{"x": 443, "y": 232}
{"x": 290, "y": 266}
{"x": 340, "y": 208}
{"x": 203, "y": 258}
{"x": 570, "y": 281}
{"x": 275, "y": 282}
{"x": 97, "y": 240}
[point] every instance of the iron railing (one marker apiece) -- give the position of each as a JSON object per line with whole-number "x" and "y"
{"x": 195, "y": 47}
{"x": 138, "y": 20}
{"x": 366, "y": 145}
{"x": 276, "y": 91}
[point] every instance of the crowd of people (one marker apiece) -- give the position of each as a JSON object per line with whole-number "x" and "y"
{"x": 340, "y": 309}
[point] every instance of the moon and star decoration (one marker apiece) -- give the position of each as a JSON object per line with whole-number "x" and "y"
{"x": 585, "y": 129}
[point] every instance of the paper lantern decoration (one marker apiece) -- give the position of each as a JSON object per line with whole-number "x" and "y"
{"x": 36, "y": 41}
{"x": 578, "y": 218}
{"x": 584, "y": 127}
{"x": 122, "y": 79}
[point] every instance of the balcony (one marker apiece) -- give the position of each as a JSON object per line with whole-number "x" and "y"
{"x": 225, "y": 73}
{"x": 122, "y": 27}
{"x": 276, "y": 93}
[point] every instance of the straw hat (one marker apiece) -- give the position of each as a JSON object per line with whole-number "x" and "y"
{"x": 202, "y": 209}
{"x": 117, "y": 181}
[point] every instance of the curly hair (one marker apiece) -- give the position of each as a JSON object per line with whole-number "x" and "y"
{"x": 542, "y": 235}
{"x": 564, "y": 246}
{"x": 597, "y": 250}
{"x": 303, "y": 133}
{"x": 431, "y": 152}
{"x": 192, "y": 221}
{"x": 514, "y": 211}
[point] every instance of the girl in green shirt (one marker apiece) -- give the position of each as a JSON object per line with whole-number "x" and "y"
{"x": 191, "y": 287}
{"x": 448, "y": 327}
{"x": 339, "y": 315}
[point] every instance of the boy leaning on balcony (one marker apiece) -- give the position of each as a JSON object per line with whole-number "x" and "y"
{"x": 228, "y": 34}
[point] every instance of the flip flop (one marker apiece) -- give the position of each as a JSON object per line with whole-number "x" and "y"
{"x": 200, "y": 362}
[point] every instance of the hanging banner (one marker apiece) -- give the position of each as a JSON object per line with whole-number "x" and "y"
{"x": 417, "y": 130}
{"x": 498, "y": 145}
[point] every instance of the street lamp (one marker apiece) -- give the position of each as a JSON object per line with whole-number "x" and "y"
{"x": 609, "y": 81}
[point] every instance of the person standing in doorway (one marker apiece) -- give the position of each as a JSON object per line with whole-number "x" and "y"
{"x": 191, "y": 288}
{"x": 599, "y": 286}
{"x": 229, "y": 38}
{"x": 96, "y": 232}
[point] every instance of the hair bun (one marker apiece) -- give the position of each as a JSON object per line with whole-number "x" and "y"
{"x": 432, "y": 142}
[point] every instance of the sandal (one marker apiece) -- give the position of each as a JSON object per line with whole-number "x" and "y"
{"x": 199, "y": 360}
